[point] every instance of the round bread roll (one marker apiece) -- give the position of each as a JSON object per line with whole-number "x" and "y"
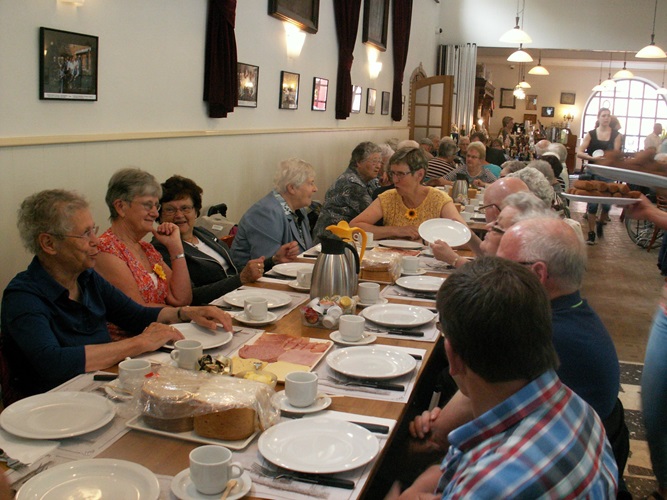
{"x": 600, "y": 186}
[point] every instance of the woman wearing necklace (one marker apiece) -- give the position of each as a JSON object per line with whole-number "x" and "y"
{"x": 133, "y": 265}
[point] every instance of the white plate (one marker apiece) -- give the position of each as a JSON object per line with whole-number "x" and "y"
{"x": 208, "y": 338}
{"x": 290, "y": 268}
{"x": 274, "y": 298}
{"x": 242, "y": 318}
{"x": 92, "y": 478}
{"x": 57, "y": 415}
{"x": 318, "y": 445}
{"x": 421, "y": 283}
{"x": 630, "y": 176}
{"x": 607, "y": 200}
{"x": 381, "y": 300}
{"x": 400, "y": 244}
{"x": 400, "y": 315}
{"x": 139, "y": 424}
{"x": 184, "y": 489}
{"x": 377, "y": 362}
{"x": 368, "y": 338}
{"x": 413, "y": 273}
{"x": 597, "y": 153}
{"x": 450, "y": 231}
{"x": 280, "y": 402}
{"x": 295, "y": 285}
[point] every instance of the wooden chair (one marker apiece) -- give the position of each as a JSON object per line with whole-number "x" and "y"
{"x": 662, "y": 205}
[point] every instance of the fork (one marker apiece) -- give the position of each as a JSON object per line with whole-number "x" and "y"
{"x": 12, "y": 463}
{"x": 304, "y": 478}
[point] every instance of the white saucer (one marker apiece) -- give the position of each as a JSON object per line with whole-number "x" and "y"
{"x": 368, "y": 338}
{"x": 381, "y": 300}
{"x": 184, "y": 489}
{"x": 295, "y": 285}
{"x": 279, "y": 400}
{"x": 270, "y": 318}
{"x": 114, "y": 390}
{"x": 416, "y": 273}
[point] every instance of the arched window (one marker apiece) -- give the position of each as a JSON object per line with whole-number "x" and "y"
{"x": 636, "y": 105}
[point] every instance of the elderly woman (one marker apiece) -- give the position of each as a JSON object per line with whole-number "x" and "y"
{"x": 537, "y": 183}
{"x": 410, "y": 203}
{"x": 212, "y": 271}
{"x": 352, "y": 192}
{"x": 280, "y": 217}
{"x": 54, "y": 314}
{"x": 511, "y": 166}
{"x": 443, "y": 164}
{"x": 474, "y": 170}
{"x": 133, "y": 265}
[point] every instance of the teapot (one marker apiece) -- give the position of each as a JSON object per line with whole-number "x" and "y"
{"x": 336, "y": 270}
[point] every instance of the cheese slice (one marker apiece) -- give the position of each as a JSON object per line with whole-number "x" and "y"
{"x": 282, "y": 368}
{"x": 240, "y": 364}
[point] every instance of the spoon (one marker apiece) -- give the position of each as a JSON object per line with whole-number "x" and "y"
{"x": 231, "y": 484}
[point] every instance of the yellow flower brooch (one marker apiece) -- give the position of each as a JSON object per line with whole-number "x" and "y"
{"x": 157, "y": 269}
{"x": 411, "y": 214}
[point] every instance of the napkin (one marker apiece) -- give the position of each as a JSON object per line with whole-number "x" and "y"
{"x": 27, "y": 451}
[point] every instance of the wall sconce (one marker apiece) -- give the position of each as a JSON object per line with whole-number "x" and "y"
{"x": 294, "y": 38}
{"x": 374, "y": 69}
{"x": 77, "y": 3}
{"x": 568, "y": 117}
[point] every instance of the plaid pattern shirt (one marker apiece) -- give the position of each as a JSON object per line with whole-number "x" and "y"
{"x": 542, "y": 442}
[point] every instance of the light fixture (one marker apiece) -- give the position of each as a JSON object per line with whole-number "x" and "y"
{"x": 609, "y": 83}
{"x": 523, "y": 83}
{"x": 77, "y": 3}
{"x": 539, "y": 70}
{"x": 520, "y": 55}
{"x": 599, "y": 87}
{"x": 623, "y": 73}
{"x": 518, "y": 91}
{"x": 294, "y": 38}
{"x": 374, "y": 66}
{"x": 652, "y": 51}
{"x": 516, "y": 34}
{"x": 662, "y": 90}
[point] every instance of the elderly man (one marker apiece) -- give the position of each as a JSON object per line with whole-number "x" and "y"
{"x": 528, "y": 435}
{"x": 541, "y": 147}
{"x": 497, "y": 192}
{"x": 653, "y": 140}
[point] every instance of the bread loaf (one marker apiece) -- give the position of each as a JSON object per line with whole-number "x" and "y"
{"x": 167, "y": 408}
{"x": 229, "y": 425}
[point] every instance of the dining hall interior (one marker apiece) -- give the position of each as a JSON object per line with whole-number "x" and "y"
{"x": 149, "y": 112}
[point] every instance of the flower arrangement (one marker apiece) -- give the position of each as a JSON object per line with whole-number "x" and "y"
{"x": 411, "y": 214}
{"x": 157, "y": 269}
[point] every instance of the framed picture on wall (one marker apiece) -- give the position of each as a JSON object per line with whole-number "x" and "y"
{"x": 386, "y": 99}
{"x": 320, "y": 93}
{"x": 248, "y": 82}
{"x": 356, "y": 99}
{"x": 376, "y": 22}
{"x": 507, "y": 99}
{"x": 567, "y": 97}
{"x": 289, "y": 90}
{"x": 530, "y": 118}
{"x": 371, "y": 96}
{"x": 67, "y": 65}
{"x": 548, "y": 111}
{"x": 531, "y": 102}
{"x": 303, "y": 13}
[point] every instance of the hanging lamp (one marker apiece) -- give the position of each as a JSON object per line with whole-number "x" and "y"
{"x": 523, "y": 83}
{"x": 516, "y": 34}
{"x": 539, "y": 70}
{"x": 662, "y": 90}
{"x": 599, "y": 87}
{"x": 520, "y": 55}
{"x": 609, "y": 83}
{"x": 652, "y": 51}
{"x": 518, "y": 92}
{"x": 623, "y": 73}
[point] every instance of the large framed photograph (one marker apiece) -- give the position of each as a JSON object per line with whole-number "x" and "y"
{"x": 67, "y": 65}
{"x": 385, "y": 103}
{"x": 567, "y": 97}
{"x": 289, "y": 90}
{"x": 320, "y": 93}
{"x": 371, "y": 96}
{"x": 376, "y": 22}
{"x": 507, "y": 99}
{"x": 356, "y": 99}
{"x": 303, "y": 13}
{"x": 248, "y": 84}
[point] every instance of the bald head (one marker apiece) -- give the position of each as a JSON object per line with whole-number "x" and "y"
{"x": 496, "y": 193}
{"x": 541, "y": 147}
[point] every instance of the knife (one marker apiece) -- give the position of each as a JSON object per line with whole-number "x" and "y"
{"x": 380, "y": 429}
{"x": 320, "y": 479}
{"x": 407, "y": 333}
{"x": 279, "y": 277}
{"x": 377, "y": 385}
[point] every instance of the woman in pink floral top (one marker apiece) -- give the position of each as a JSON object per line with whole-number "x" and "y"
{"x": 133, "y": 265}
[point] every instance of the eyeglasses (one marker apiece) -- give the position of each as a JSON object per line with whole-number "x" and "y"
{"x": 88, "y": 235}
{"x": 148, "y": 205}
{"x": 399, "y": 175}
{"x": 185, "y": 210}
{"x": 472, "y": 157}
{"x": 497, "y": 229}
{"x": 483, "y": 208}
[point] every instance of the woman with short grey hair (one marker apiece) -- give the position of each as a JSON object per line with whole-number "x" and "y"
{"x": 537, "y": 183}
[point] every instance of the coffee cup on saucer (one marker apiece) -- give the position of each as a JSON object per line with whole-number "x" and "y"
{"x": 369, "y": 293}
{"x": 301, "y": 388}
{"x": 410, "y": 264}
{"x": 211, "y": 467}
{"x": 256, "y": 308}
{"x": 186, "y": 353}
{"x": 304, "y": 277}
{"x": 351, "y": 327}
{"x": 131, "y": 373}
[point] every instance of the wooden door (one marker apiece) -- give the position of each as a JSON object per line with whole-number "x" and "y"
{"x": 431, "y": 110}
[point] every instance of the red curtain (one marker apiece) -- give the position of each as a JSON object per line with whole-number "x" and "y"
{"x": 401, "y": 19}
{"x": 220, "y": 74}
{"x": 346, "y": 13}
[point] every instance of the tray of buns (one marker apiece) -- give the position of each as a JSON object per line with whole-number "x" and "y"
{"x": 601, "y": 192}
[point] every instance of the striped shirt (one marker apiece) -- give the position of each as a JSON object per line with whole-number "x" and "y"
{"x": 542, "y": 442}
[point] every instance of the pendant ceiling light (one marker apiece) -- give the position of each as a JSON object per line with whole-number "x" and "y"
{"x": 520, "y": 55}
{"x": 516, "y": 34}
{"x": 599, "y": 87}
{"x": 609, "y": 83}
{"x": 652, "y": 51}
{"x": 518, "y": 92}
{"x": 623, "y": 73}
{"x": 523, "y": 83}
{"x": 662, "y": 90}
{"x": 539, "y": 70}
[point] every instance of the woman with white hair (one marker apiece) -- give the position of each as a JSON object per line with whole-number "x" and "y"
{"x": 278, "y": 218}
{"x": 537, "y": 183}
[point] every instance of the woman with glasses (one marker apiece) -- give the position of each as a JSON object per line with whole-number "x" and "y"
{"x": 212, "y": 270}
{"x": 133, "y": 265}
{"x": 474, "y": 169}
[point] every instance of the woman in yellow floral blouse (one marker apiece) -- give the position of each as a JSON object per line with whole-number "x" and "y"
{"x": 410, "y": 203}
{"x": 135, "y": 266}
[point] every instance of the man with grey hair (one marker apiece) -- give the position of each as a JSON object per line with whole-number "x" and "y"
{"x": 496, "y": 193}
{"x": 426, "y": 145}
{"x": 560, "y": 151}
{"x": 537, "y": 183}
{"x": 541, "y": 147}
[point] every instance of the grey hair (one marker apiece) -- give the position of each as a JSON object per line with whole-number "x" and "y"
{"x": 414, "y": 158}
{"x": 545, "y": 168}
{"x": 513, "y": 166}
{"x": 479, "y": 147}
{"x": 293, "y": 171}
{"x": 362, "y": 151}
{"x": 528, "y": 206}
{"x": 447, "y": 147}
{"x": 537, "y": 183}
{"x": 127, "y": 184}
{"x": 540, "y": 150}
{"x": 386, "y": 151}
{"x": 426, "y": 140}
{"x": 407, "y": 143}
{"x": 559, "y": 149}
{"x": 48, "y": 211}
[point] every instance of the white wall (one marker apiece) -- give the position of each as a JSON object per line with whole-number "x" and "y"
{"x": 151, "y": 81}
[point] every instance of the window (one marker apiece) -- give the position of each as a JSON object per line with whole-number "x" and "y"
{"x": 636, "y": 105}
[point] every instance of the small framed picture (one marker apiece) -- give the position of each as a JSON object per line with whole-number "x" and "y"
{"x": 320, "y": 93}
{"x": 386, "y": 99}
{"x": 356, "y": 99}
{"x": 303, "y": 13}
{"x": 289, "y": 90}
{"x": 376, "y": 22}
{"x": 371, "y": 96}
{"x": 531, "y": 103}
{"x": 507, "y": 99}
{"x": 548, "y": 111}
{"x": 527, "y": 117}
{"x": 567, "y": 97}
{"x": 248, "y": 81}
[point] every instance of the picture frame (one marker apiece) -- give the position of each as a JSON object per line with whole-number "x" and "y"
{"x": 507, "y": 99}
{"x": 248, "y": 84}
{"x": 356, "y": 99}
{"x": 386, "y": 101}
{"x": 530, "y": 117}
{"x": 289, "y": 90}
{"x": 376, "y": 22}
{"x": 371, "y": 96}
{"x": 548, "y": 111}
{"x": 567, "y": 97}
{"x": 531, "y": 103}
{"x": 303, "y": 13}
{"x": 67, "y": 65}
{"x": 320, "y": 93}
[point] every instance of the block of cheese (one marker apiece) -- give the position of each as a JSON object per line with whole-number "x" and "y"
{"x": 282, "y": 368}
{"x": 240, "y": 364}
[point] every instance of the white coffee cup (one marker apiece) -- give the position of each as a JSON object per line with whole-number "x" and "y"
{"x": 186, "y": 353}
{"x": 470, "y": 207}
{"x": 301, "y": 388}
{"x": 304, "y": 277}
{"x": 132, "y": 372}
{"x": 369, "y": 293}
{"x": 467, "y": 216}
{"x": 369, "y": 239}
{"x": 211, "y": 467}
{"x": 351, "y": 327}
{"x": 410, "y": 264}
{"x": 256, "y": 308}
